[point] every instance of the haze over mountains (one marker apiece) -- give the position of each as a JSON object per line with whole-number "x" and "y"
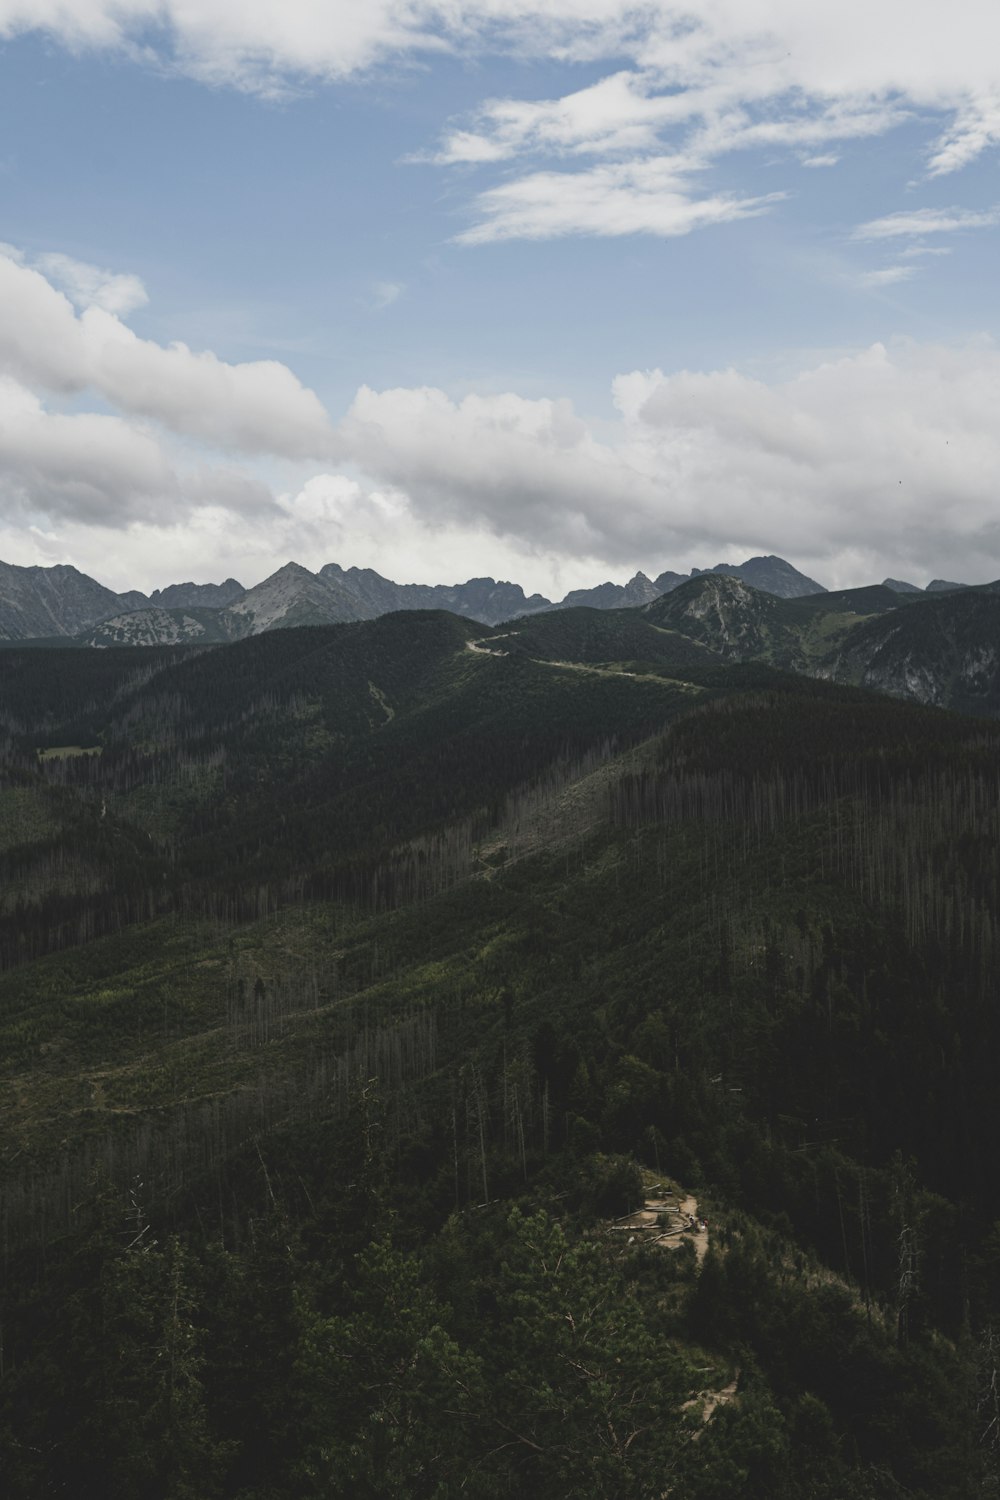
{"x": 62, "y": 603}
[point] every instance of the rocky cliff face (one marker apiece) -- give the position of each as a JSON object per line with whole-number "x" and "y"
{"x": 158, "y": 627}
{"x": 639, "y": 590}
{"x": 58, "y": 601}
{"x": 198, "y": 595}
{"x": 291, "y": 596}
{"x": 482, "y": 599}
{"x": 943, "y": 651}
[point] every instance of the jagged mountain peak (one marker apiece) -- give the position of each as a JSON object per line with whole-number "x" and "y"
{"x": 197, "y": 595}
{"x": 769, "y": 574}
{"x": 41, "y": 601}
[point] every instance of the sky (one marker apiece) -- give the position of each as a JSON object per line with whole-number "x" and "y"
{"x": 550, "y": 292}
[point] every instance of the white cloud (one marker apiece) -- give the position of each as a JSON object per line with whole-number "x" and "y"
{"x": 641, "y": 197}
{"x": 616, "y": 114}
{"x": 685, "y": 79}
{"x": 853, "y": 47}
{"x": 974, "y": 129}
{"x": 465, "y": 146}
{"x": 891, "y": 449}
{"x": 927, "y": 221}
{"x": 94, "y": 469}
{"x": 883, "y": 461}
{"x": 85, "y": 465}
{"x": 118, "y": 468}
{"x": 889, "y": 454}
{"x": 256, "y": 407}
{"x": 528, "y": 469}
{"x": 734, "y": 75}
{"x": 624, "y": 118}
{"x": 331, "y": 518}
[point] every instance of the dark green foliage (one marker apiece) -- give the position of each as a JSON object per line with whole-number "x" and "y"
{"x": 345, "y": 991}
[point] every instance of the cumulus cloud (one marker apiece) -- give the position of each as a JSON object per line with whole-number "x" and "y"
{"x": 883, "y": 461}
{"x": 83, "y": 465}
{"x": 95, "y": 469}
{"x": 256, "y": 407}
{"x": 123, "y": 467}
{"x": 525, "y": 468}
{"x": 889, "y": 454}
{"x": 893, "y": 449}
{"x": 224, "y": 41}
{"x": 330, "y": 518}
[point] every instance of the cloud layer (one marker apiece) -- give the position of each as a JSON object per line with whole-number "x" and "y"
{"x": 61, "y": 461}
{"x": 889, "y": 455}
{"x": 881, "y": 461}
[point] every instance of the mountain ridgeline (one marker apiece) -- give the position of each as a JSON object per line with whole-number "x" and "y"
{"x": 357, "y": 979}
{"x": 60, "y": 602}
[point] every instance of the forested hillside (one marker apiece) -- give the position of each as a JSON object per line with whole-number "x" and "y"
{"x": 354, "y": 980}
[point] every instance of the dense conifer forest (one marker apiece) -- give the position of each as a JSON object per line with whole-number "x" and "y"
{"x": 358, "y": 984}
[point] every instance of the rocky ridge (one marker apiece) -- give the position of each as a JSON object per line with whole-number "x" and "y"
{"x": 61, "y": 602}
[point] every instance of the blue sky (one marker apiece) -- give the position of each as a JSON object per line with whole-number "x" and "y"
{"x": 451, "y": 288}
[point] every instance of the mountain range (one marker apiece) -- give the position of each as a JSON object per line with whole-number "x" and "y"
{"x": 62, "y": 604}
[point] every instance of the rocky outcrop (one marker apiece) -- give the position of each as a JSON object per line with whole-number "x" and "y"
{"x": 158, "y": 627}
{"x": 722, "y": 613}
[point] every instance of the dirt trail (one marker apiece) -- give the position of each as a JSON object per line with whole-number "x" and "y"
{"x": 665, "y": 1219}
{"x": 484, "y": 650}
{"x": 707, "y": 1404}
